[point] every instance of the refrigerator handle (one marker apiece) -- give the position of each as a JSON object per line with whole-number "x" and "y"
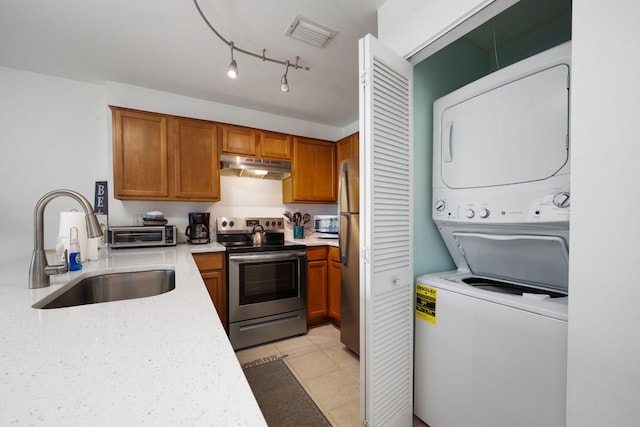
{"x": 343, "y": 191}
{"x": 344, "y": 238}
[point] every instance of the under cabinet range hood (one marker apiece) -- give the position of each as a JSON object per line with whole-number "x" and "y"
{"x": 254, "y": 168}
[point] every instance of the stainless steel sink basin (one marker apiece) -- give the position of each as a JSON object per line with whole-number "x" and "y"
{"x": 110, "y": 287}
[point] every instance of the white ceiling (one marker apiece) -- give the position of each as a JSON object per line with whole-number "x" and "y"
{"x": 165, "y": 45}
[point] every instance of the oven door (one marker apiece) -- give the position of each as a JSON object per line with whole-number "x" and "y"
{"x": 266, "y": 283}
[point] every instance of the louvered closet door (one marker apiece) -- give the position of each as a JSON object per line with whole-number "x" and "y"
{"x": 386, "y": 212}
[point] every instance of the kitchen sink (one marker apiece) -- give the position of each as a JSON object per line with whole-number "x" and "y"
{"x": 111, "y": 287}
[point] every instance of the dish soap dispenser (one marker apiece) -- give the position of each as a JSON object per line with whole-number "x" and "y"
{"x": 75, "y": 260}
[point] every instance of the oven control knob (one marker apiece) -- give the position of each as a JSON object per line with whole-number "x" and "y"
{"x": 267, "y": 223}
{"x": 440, "y": 205}
{"x": 470, "y": 213}
{"x": 224, "y": 223}
{"x": 279, "y": 223}
{"x": 484, "y": 213}
{"x": 562, "y": 199}
{"x": 231, "y": 223}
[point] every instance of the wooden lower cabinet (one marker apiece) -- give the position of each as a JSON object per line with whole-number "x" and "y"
{"x": 317, "y": 305}
{"x": 333, "y": 288}
{"x": 323, "y": 285}
{"x": 212, "y": 269}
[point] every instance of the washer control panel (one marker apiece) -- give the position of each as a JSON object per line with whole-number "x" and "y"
{"x": 516, "y": 208}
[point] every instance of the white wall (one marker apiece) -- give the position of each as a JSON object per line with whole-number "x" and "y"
{"x": 604, "y": 342}
{"x": 56, "y": 133}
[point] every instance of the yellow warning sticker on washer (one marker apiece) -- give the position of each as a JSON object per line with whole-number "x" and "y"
{"x": 426, "y": 297}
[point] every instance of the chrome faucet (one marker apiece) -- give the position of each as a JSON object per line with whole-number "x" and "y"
{"x": 40, "y": 270}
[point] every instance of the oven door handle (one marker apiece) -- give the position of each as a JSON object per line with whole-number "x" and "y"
{"x": 266, "y": 257}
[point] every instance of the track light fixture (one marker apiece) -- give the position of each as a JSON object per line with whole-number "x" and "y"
{"x": 232, "y": 71}
{"x": 284, "y": 84}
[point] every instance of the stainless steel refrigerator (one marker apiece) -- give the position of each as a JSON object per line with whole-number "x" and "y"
{"x": 349, "y": 211}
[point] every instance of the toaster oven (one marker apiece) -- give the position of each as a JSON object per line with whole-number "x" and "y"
{"x": 141, "y": 236}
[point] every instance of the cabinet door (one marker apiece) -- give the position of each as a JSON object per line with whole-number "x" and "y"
{"x": 314, "y": 175}
{"x": 140, "y": 155}
{"x": 212, "y": 270}
{"x": 215, "y": 282}
{"x": 316, "y": 292}
{"x": 275, "y": 145}
{"x": 238, "y": 140}
{"x": 345, "y": 148}
{"x": 333, "y": 288}
{"x": 197, "y": 175}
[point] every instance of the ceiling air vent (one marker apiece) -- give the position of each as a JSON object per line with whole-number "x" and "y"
{"x": 310, "y": 32}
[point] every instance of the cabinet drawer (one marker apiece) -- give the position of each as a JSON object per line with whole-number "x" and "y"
{"x": 317, "y": 253}
{"x": 209, "y": 261}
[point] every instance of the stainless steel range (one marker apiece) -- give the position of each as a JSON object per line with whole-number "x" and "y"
{"x": 267, "y": 283}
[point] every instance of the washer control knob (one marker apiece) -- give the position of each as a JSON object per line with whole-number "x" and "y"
{"x": 470, "y": 213}
{"x": 562, "y": 199}
{"x": 440, "y": 205}
{"x": 484, "y": 213}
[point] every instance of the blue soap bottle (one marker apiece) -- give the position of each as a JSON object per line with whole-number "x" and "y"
{"x": 75, "y": 260}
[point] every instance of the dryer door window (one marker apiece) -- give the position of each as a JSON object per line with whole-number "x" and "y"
{"x": 511, "y": 134}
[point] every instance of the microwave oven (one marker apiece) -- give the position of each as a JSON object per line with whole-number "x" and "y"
{"x": 326, "y": 226}
{"x": 141, "y": 236}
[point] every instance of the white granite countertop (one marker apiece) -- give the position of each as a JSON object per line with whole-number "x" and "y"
{"x": 161, "y": 360}
{"x": 310, "y": 239}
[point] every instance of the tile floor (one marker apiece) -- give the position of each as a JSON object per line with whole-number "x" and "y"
{"x": 325, "y": 368}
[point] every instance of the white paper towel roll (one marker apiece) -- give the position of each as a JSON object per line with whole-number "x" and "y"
{"x": 78, "y": 220}
{"x": 92, "y": 248}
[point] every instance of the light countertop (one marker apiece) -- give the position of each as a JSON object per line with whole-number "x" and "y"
{"x": 161, "y": 360}
{"x": 310, "y": 239}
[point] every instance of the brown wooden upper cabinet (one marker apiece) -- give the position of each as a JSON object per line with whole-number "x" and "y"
{"x": 161, "y": 157}
{"x": 313, "y": 172}
{"x": 247, "y": 142}
{"x": 239, "y": 140}
{"x": 274, "y": 145}
{"x": 348, "y": 147}
{"x": 197, "y": 170}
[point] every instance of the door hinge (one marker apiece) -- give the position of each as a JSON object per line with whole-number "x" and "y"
{"x": 365, "y": 423}
{"x": 363, "y": 78}
{"x": 364, "y": 254}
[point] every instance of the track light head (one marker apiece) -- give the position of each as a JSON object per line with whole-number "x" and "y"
{"x": 284, "y": 84}
{"x": 232, "y": 71}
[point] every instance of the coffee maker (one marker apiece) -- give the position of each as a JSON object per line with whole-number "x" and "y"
{"x": 198, "y": 229}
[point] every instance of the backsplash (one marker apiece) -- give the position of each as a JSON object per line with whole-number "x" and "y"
{"x": 241, "y": 197}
